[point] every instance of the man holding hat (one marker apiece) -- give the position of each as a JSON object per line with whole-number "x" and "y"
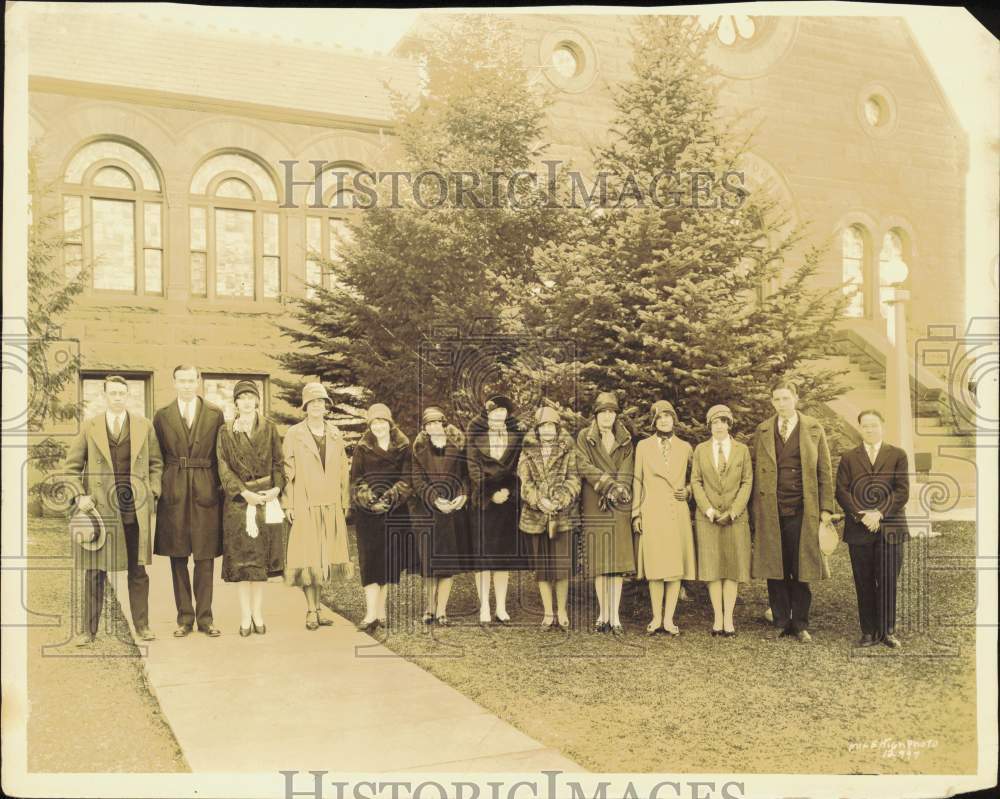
{"x": 189, "y": 514}
{"x": 793, "y": 492}
{"x": 114, "y": 467}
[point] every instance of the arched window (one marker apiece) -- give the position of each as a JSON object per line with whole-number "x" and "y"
{"x": 890, "y": 258}
{"x": 235, "y": 230}
{"x": 327, "y": 229}
{"x": 853, "y": 258}
{"x": 113, "y": 218}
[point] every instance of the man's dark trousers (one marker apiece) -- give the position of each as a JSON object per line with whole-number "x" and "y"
{"x": 876, "y": 568}
{"x": 138, "y": 586}
{"x": 204, "y": 572}
{"x": 790, "y": 598}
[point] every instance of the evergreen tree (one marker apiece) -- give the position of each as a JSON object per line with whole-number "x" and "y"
{"x": 51, "y": 368}
{"x": 687, "y": 292}
{"x": 410, "y": 316}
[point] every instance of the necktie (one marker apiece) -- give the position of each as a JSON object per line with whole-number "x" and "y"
{"x": 785, "y": 424}
{"x": 871, "y": 454}
{"x": 116, "y": 427}
{"x": 721, "y": 459}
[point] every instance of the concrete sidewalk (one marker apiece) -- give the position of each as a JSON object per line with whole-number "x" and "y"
{"x": 300, "y": 699}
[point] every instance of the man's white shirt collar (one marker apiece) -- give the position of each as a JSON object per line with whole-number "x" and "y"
{"x": 112, "y": 416}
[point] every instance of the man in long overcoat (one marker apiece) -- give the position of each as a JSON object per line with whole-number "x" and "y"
{"x": 189, "y": 513}
{"x": 114, "y": 467}
{"x": 792, "y": 493}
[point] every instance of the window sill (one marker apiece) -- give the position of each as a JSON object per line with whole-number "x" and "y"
{"x": 205, "y": 305}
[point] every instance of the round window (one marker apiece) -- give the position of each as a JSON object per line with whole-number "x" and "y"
{"x": 875, "y": 111}
{"x": 567, "y": 60}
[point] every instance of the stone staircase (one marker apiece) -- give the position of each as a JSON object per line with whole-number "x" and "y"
{"x": 944, "y": 454}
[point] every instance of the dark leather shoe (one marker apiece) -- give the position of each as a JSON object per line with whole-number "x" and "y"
{"x": 368, "y": 628}
{"x": 867, "y": 640}
{"x": 260, "y": 629}
{"x": 211, "y": 631}
{"x": 776, "y": 634}
{"x": 891, "y": 641}
{"x": 246, "y": 632}
{"x": 145, "y": 634}
{"x": 728, "y": 633}
{"x": 182, "y": 631}
{"x": 716, "y": 633}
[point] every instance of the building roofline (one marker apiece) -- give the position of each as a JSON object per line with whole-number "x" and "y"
{"x": 140, "y": 96}
{"x": 921, "y": 56}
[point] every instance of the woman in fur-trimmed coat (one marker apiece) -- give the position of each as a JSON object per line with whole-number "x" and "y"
{"x": 381, "y": 472}
{"x": 441, "y": 488}
{"x": 550, "y": 515}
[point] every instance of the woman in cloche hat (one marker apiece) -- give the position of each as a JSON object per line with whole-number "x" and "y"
{"x": 316, "y": 501}
{"x": 441, "y": 484}
{"x": 251, "y": 470}
{"x": 605, "y": 455}
{"x": 381, "y": 485}
{"x": 550, "y": 489}
{"x": 721, "y": 480}
{"x": 661, "y": 520}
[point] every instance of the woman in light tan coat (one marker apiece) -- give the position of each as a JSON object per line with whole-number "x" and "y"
{"x": 721, "y": 479}
{"x": 315, "y": 499}
{"x": 661, "y": 519}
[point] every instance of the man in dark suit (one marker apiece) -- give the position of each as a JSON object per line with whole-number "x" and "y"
{"x": 873, "y": 486}
{"x": 189, "y": 513}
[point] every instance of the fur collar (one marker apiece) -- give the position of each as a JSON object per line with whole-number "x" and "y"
{"x": 453, "y": 436}
{"x": 397, "y": 440}
{"x": 562, "y": 443}
{"x": 621, "y": 433}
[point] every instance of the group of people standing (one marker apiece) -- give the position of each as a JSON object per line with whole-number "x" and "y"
{"x": 497, "y": 497}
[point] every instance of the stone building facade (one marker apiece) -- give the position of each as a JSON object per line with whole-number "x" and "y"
{"x": 165, "y": 143}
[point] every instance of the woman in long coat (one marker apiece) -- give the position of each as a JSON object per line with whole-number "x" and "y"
{"x": 251, "y": 468}
{"x": 381, "y": 475}
{"x": 441, "y": 484}
{"x": 721, "y": 480}
{"x": 661, "y": 518}
{"x": 605, "y": 457}
{"x": 316, "y": 501}
{"x": 550, "y": 513}
{"x": 493, "y": 448}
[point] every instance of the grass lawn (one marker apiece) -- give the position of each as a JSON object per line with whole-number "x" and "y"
{"x": 90, "y": 710}
{"x": 702, "y": 704}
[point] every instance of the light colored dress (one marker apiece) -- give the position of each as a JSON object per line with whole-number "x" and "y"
{"x": 665, "y": 549}
{"x": 316, "y": 491}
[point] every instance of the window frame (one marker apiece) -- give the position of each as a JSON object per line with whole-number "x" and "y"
{"x": 211, "y": 202}
{"x": 140, "y": 198}
{"x": 144, "y": 375}
{"x": 265, "y": 400}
